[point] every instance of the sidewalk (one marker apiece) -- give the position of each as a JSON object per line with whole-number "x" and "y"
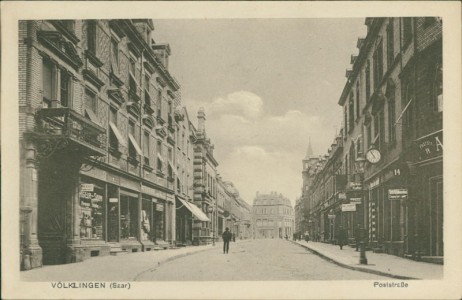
{"x": 112, "y": 268}
{"x": 378, "y": 263}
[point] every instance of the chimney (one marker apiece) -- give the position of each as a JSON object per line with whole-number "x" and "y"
{"x": 201, "y": 120}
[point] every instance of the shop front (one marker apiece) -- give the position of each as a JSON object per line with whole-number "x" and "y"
{"x": 92, "y": 199}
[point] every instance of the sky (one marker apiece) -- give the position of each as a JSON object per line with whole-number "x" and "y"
{"x": 267, "y": 87}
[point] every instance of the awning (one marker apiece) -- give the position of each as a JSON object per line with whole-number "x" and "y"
{"x": 135, "y": 144}
{"x": 160, "y": 157}
{"x": 92, "y": 116}
{"x": 119, "y": 136}
{"x": 199, "y": 214}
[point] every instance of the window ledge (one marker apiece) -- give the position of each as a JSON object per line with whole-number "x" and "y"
{"x": 115, "y": 152}
{"x": 133, "y": 161}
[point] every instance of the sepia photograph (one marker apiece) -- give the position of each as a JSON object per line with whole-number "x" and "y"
{"x": 242, "y": 151}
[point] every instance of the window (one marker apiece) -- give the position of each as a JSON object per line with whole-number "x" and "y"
{"x": 378, "y": 65}
{"x": 91, "y": 36}
{"x": 368, "y": 80}
{"x": 390, "y": 44}
{"x": 438, "y": 88}
{"x": 378, "y": 138}
{"x": 351, "y": 113}
{"x": 146, "y": 148}
{"x": 115, "y": 55}
{"x": 128, "y": 217}
{"x": 132, "y": 66}
{"x": 91, "y": 214}
{"x": 357, "y": 100}
{"x": 131, "y": 149}
{"x": 159, "y": 103}
{"x": 65, "y": 88}
{"x": 47, "y": 82}
{"x": 369, "y": 135}
{"x": 159, "y": 156}
{"x": 113, "y": 141}
{"x": 90, "y": 105}
{"x": 408, "y": 111}
{"x": 391, "y": 113}
{"x": 407, "y": 31}
{"x": 345, "y": 116}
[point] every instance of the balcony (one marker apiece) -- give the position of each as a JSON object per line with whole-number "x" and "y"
{"x": 63, "y": 127}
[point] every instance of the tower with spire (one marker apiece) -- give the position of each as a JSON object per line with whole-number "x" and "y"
{"x": 309, "y": 163}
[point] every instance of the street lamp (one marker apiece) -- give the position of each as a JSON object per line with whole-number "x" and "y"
{"x": 359, "y": 164}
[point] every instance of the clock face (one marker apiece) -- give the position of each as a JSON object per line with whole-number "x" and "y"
{"x": 373, "y": 156}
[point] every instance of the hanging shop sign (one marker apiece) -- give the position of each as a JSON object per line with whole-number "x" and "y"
{"x": 397, "y": 194}
{"x": 331, "y": 217}
{"x": 342, "y": 196}
{"x": 349, "y": 207}
{"x": 430, "y": 146}
{"x": 354, "y": 186}
{"x": 113, "y": 200}
{"x": 356, "y": 200}
{"x": 87, "y": 187}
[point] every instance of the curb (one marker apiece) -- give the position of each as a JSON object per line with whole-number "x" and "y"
{"x": 350, "y": 267}
{"x": 173, "y": 258}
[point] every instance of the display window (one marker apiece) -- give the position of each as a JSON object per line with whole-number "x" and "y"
{"x": 146, "y": 217}
{"x": 91, "y": 207}
{"x": 159, "y": 221}
{"x": 128, "y": 217}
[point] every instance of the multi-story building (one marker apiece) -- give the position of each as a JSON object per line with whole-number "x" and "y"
{"x": 96, "y": 104}
{"x": 392, "y": 138}
{"x": 273, "y": 216}
{"x": 205, "y": 183}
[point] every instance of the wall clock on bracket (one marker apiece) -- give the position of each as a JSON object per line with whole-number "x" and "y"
{"x": 373, "y": 156}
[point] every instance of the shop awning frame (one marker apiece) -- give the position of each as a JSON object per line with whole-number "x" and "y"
{"x": 197, "y": 213}
{"x": 135, "y": 144}
{"x": 118, "y": 135}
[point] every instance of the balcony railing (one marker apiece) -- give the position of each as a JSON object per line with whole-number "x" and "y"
{"x": 65, "y": 124}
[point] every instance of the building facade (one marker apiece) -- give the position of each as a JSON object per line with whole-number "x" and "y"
{"x": 273, "y": 216}
{"x": 97, "y": 140}
{"x": 391, "y": 154}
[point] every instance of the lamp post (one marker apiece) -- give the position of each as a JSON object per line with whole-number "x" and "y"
{"x": 360, "y": 163}
{"x": 211, "y": 210}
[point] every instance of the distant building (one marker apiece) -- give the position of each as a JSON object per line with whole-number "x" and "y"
{"x": 273, "y": 216}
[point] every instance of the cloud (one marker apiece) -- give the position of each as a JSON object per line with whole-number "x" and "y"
{"x": 260, "y": 151}
{"x": 242, "y": 103}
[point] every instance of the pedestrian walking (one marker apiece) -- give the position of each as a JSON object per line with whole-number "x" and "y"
{"x": 226, "y": 238}
{"x": 341, "y": 237}
{"x": 357, "y": 236}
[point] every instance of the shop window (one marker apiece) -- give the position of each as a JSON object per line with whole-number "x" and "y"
{"x": 128, "y": 217}
{"x": 91, "y": 216}
{"x": 146, "y": 217}
{"x": 407, "y": 31}
{"x": 91, "y": 37}
{"x": 113, "y": 219}
{"x": 159, "y": 220}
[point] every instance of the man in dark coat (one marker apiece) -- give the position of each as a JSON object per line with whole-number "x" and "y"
{"x": 226, "y": 238}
